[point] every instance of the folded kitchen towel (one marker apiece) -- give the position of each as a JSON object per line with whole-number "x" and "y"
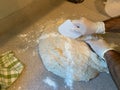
{"x": 10, "y": 69}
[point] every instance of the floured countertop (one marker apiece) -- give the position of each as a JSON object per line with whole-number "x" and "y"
{"x": 23, "y": 40}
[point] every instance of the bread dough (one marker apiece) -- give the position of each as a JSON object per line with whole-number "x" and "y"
{"x": 69, "y": 58}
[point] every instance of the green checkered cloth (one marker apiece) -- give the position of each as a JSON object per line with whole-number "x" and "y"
{"x": 10, "y": 69}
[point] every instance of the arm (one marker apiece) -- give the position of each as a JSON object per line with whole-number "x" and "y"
{"x": 112, "y": 58}
{"x": 113, "y": 61}
{"x": 112, "y": 25}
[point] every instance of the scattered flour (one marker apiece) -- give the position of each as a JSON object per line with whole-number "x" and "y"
{"x": 49, "y": 35}
{"x": 19, "y": 88}
{"x": 50, "y": 82}
{"x": 30, "y": 39}
{"x": 22, "y": 35}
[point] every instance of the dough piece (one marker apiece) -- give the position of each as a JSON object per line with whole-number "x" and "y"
{"x": 69, "y": 58}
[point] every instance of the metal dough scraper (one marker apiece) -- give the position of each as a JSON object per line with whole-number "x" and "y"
{"x": 66, "y": 29}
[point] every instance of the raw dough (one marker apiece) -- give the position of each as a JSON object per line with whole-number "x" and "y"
{"x": 69, "y": 58}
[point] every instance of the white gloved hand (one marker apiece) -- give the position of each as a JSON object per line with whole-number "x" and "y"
{"x": 99, "y": 46}
{"x": 86, "y": 26}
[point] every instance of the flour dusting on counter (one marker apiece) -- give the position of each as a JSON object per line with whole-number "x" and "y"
{"x": 30, "y": 38}
{"x": 50, "y": 82}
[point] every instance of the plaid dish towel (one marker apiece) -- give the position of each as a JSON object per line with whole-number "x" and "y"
{"x": 10, "y": 69}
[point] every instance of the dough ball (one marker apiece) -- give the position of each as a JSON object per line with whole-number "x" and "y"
{"x": 66, "y": 57}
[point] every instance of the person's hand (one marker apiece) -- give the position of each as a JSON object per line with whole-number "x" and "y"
{"x": 85, "y": 26}
{"x": 99, "y": 46}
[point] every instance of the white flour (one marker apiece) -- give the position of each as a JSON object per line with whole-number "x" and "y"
{"x": 49, "y": 35}
{"x": 50, "y": 82}
{"x": 30, "y": 38}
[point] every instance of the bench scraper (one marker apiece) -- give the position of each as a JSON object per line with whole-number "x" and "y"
{"x": 66, "y": 29}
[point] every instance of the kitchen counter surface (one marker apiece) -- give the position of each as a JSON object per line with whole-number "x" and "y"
{"x": 23, "y": 40}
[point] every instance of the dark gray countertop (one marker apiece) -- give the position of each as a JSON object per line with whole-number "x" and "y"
{"x": 22, "y": 39}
